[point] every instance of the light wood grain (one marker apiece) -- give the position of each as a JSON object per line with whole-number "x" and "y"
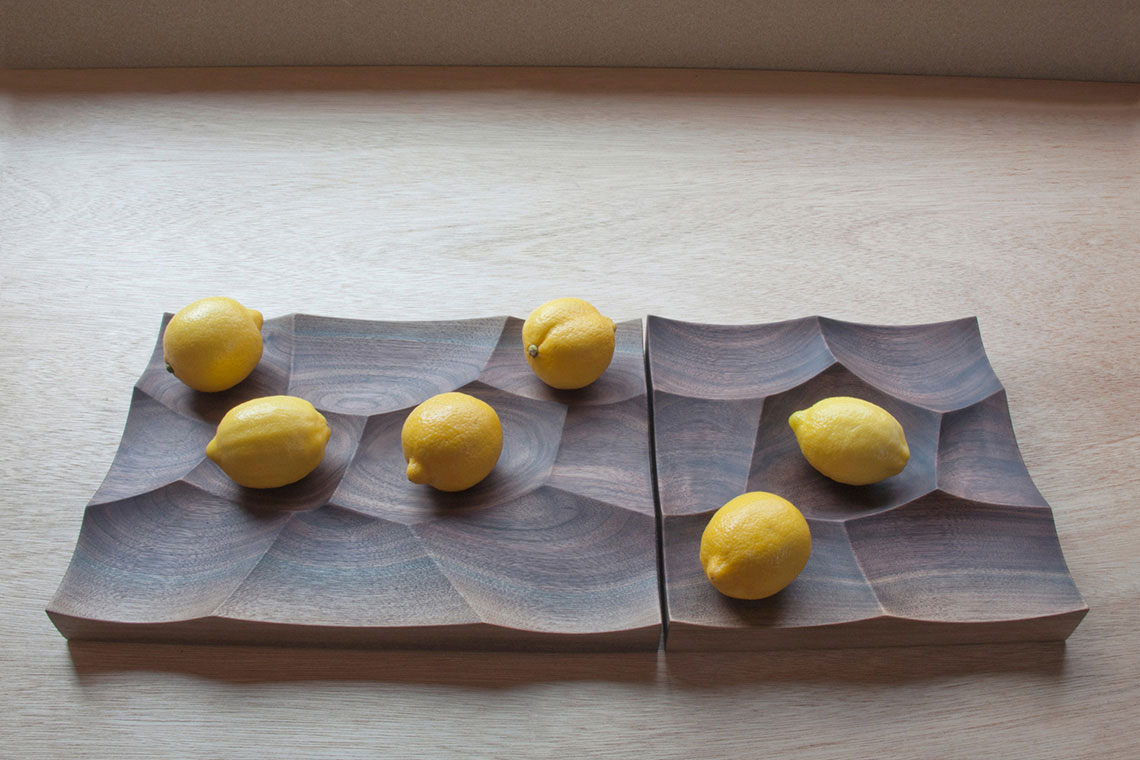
{"x": 722, "y": 197}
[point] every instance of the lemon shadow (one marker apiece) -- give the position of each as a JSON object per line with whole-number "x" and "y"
{"x": 869, "y": 666}
{"x": 252, "y": 665}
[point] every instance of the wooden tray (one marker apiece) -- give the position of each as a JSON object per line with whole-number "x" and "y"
{"x": 960, "y": 547}
{"x": 557, "y": 549}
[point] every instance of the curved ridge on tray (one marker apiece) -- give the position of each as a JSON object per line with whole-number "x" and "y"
{"x": 140, "y": 559}
{"x": 339, "y": 567}
{"x": 533, "y": 580}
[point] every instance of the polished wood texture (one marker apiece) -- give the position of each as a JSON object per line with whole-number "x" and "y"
{"x": 441, "y": 194}
{"x": 960, "y": 547}
{"x": 555, "y": 549}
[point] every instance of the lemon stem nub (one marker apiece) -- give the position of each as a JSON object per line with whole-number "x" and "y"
{"x": 416, "y": 472}
{"x": 169, "y": 368}
{"x": 533, "y": 351}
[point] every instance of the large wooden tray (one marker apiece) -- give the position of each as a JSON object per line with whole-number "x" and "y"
{"x": 958, "y": 548}
{"x": 557, "y": 549}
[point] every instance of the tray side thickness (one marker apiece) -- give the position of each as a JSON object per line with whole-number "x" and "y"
{"x": 463, "y": 637}
{"x": 869, "y": 634}
{"x": 959, "y": 548}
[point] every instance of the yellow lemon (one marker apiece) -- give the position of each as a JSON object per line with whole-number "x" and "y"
{"x": 212, "y": 344}
{"x": 851, "y": 440}
{"x": 755, "y": 545}
{"x": 270, "y": 441}
{"x": 568, "y": 343}
{"x": 451, "y": 441}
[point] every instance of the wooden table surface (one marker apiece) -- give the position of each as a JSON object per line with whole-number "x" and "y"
{"x": 729, "y": 197}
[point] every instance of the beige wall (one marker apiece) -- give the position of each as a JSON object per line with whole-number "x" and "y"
{"x": 1057, "y": 39}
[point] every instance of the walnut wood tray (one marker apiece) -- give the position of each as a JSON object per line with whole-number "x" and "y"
{"x": 557, "y": 549}
{"x": 958, "y": 548}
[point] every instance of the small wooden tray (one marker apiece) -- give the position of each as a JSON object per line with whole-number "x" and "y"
{"x": 556, "y": 549}
{"x": 960, "y": 547}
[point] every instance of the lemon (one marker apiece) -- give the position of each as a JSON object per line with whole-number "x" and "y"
{"x": 755, "y": 545}
{"x": 212, "y": 344}
{"x": 851, "y": 440}
{"x": 270, "y": 441}
{"x": 568, "y": 343}
{"x": 451, "y": 441}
